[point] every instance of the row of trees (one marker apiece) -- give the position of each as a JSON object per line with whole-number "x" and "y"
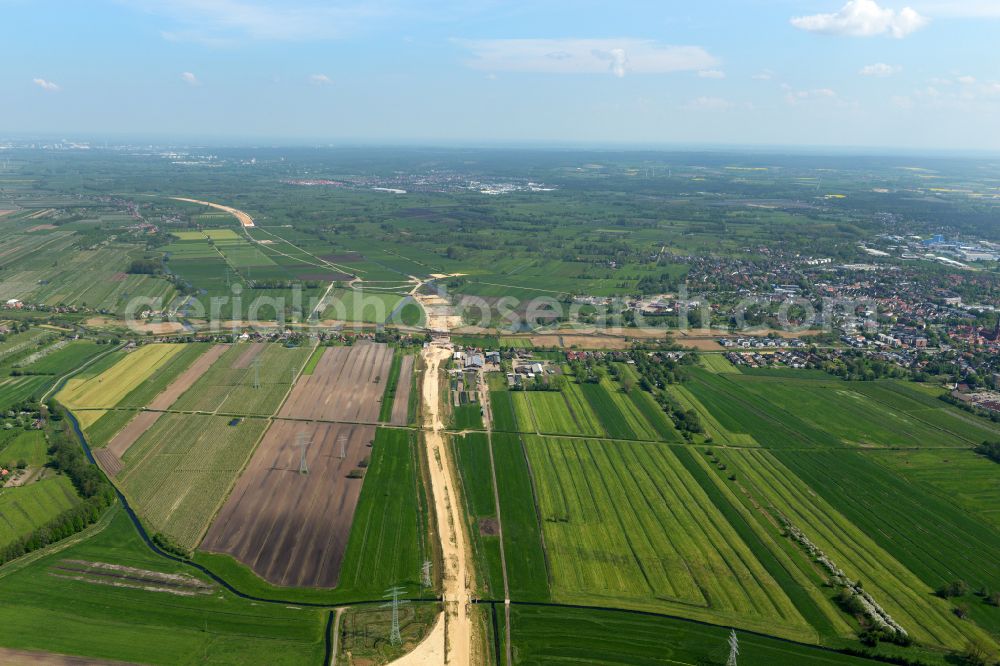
{"x": 97, "y": 493}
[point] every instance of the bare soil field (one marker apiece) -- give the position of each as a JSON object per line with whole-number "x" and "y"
{"x": 184, "y": 381}
{"x": 120, "y": 443}
{"x": 108, "y": 461}
{"x": 292, "y": 528}
{"x": 401, "y": 404}
{"x": 346, "y": 385}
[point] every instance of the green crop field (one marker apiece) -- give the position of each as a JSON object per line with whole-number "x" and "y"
{"x": 526, "y": 570}
{"x": 717, "y": 363}
{"x": 391, "y": 383}
{"x": 502, "y": 411}
{"x": 25, "y": 508}
{"x": 65, "y": 359}
{"x": 107, "y": 389}
{"x": 544, "y": 635}
{"x": 142, "y": 394}
{"x": 144, "y": 626}
{"x": 226, "y": 389}
{"x": 178, "y": 472}
{"x": 468, "y": 416}
{"x": 626, "y": 524}
{"x": 29, "y": 446}
{"x": 565, "y": 412}
{"x": 17, "y": 390}
{"x": 472, "y": 457}
{"x": 388, "y": 542}
{"x": 963, "y": 477}
{"x": 895, "y": 587}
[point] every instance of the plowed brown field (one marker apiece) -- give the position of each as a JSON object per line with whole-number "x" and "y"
{"x": 292, "y": 528}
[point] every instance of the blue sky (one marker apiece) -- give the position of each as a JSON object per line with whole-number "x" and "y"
{"x": 866, "y": 73}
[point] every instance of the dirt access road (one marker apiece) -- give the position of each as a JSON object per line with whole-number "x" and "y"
{"x": 451, "y": 639}
{"x": 244, "y": 219}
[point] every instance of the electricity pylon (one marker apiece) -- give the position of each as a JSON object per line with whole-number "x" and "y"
{"x": 734, "y": 649}
{"x": 425, "y": 575}
{"x": 256, "y": 372}
{"x": 303, "y": 444}
{"x": 394, "y": 637}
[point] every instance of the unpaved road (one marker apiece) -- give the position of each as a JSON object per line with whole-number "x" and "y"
{"x": 244, "y": 219}
{"x": 451, "y": 639}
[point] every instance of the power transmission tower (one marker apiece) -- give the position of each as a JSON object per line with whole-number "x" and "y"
{"x": 734, "y": 648}
{"x": 343, "y": 446}
{"x": 256, "y": 372}
{"x": 394, "y": 592}
{"x": 303, "y": 445}
{"x": 425, "y": 575}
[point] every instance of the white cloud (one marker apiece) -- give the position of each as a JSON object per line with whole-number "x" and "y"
{"x": 46, "y": 85}
{"x": 585, "y": 56}
{"x": 190, "y": 79}
{"x": 320, "y": 79}
{"x": 763, "y": 75}
{"x": 863, "y": 18}
{"x": 880, "y": 69}
{"x": 712, "y": 74}
{"x": 967, "y": 80}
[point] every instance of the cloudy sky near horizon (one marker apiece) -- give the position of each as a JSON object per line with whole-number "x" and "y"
{"x": 914, "y": 74}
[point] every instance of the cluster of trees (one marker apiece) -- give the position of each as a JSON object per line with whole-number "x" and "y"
{"x": 145, "y": 266}
{"x": 989, "y": 449}
{"x": 857, "y": 367}
{"x": 97, "y": 493}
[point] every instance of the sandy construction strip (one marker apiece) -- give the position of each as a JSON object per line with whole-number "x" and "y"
{"x": 25, "y": 657}
{"x": 244, "y": 219}
{"x": 451, "y": 640}
{"x": 183, "y": 382}
{"x": 401, "y": 404}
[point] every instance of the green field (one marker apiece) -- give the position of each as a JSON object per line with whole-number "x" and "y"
{"x": 472, "y": 457}
{"x": 25, "y": 508}
{"x": 142, "y": 626}
{"x": 391, "y": 383}
{"x": 565, "y": 412}
{"x": 526, "y": 568}
{"x": 627, "y": 525}
{"x": 72, "y": 355}
{"x": 29, "y": 446}
{"x": 179, "y": 472}
{"x": 226, "y": 389}
{"x": 388, "y": 542}
{"x": 908, "y": 599}
{"x": 545, "y": 635}
{"x": 15, "y": 391}
{"x": 105, "y": 390}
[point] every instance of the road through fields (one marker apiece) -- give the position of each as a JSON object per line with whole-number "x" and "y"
{"x": 451, "y": 639}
